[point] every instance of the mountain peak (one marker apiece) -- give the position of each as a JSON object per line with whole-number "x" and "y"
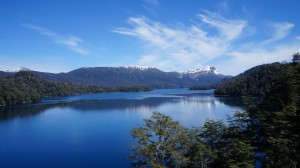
{"x": 210, "y": 68}
{"x": 207, "y": 69}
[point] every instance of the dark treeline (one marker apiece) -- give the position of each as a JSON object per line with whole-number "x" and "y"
{"x": 256, "y": 81}
{"x": 202, "y": 87}
{"x": 26, "y": 87}
{"x": 267, "y": 132}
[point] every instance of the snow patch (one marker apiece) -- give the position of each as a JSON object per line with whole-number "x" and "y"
{"x": 207, "y": 69}
{"x": 138, "y": 67}
{"x": 16, "y": 70}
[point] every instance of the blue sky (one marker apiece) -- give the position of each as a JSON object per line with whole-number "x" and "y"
{"x": 62, "y": 35}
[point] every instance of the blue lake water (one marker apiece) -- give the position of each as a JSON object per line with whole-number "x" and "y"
{"x": 93, "y": 130}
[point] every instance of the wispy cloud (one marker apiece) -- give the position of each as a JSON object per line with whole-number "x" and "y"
{"x": 228, "y": 29}
{"x": 212, "y": 39}
{"x": 72, "y": 42}
{"x": 183, "y": 47}
{"x": 280, "y": 30}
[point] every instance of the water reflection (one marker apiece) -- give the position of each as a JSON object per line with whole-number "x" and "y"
{"x": 232, "y": 101}
{"x": 137, "y": 105}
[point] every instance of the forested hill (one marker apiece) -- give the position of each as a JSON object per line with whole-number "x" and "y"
{"x": 274, "y": 122}
{"x": 26, "y": 87}
{"x": 256, "y": 81}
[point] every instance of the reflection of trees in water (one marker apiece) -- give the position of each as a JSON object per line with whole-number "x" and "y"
{"x": 231, "y": 101}
{"x": 113, "y": 104}
{"x": 9, "y": 112}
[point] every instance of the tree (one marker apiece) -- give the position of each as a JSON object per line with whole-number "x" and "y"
{"x": 162, "y": 142}
{"x": 2, "y": 102}
{"x": 207, "y": 145}
{"x": 296, "y": 58}
{"x": 239, "y": 139}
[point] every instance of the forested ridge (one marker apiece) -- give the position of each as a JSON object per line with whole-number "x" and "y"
{"x": 266, "y": 134}
{"x": 26, "y": 87}
{"x": 256, "y": 81}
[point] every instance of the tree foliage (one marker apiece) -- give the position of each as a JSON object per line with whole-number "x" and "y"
{"x": 162, "y": 142}
{"x": 280, "y": 119}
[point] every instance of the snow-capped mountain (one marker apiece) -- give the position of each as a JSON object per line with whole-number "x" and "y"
{"x": 196, "y": 73}
{"x": 206, "y": 75}
{"x": 207, "y": 69}
{"x": 210, "y": 69}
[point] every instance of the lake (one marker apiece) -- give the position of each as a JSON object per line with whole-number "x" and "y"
{"x": 92, "y": 130}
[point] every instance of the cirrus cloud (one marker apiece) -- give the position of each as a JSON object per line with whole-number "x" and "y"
{"x": 280, "y": 30}
{"x": 181, "y": 47}
{"x": 214, "y": 39}
{"x": 72, "y": 42}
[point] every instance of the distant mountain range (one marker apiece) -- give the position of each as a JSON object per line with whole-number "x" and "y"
{"x": 133, "y": 75}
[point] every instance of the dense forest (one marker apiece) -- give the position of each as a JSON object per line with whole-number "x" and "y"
{"x": 26, "y": 87}
{"x": 256, "y": 81}
{"x": 265, "y": 135}
{"x": 203, "y": 87}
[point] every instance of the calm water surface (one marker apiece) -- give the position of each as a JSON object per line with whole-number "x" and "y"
{"x": 93, "y": 130}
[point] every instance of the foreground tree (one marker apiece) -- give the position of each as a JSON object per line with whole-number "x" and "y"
{"x": 162, "y": 142}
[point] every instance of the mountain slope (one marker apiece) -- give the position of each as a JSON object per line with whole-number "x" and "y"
{"x": 256, "y": 81}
